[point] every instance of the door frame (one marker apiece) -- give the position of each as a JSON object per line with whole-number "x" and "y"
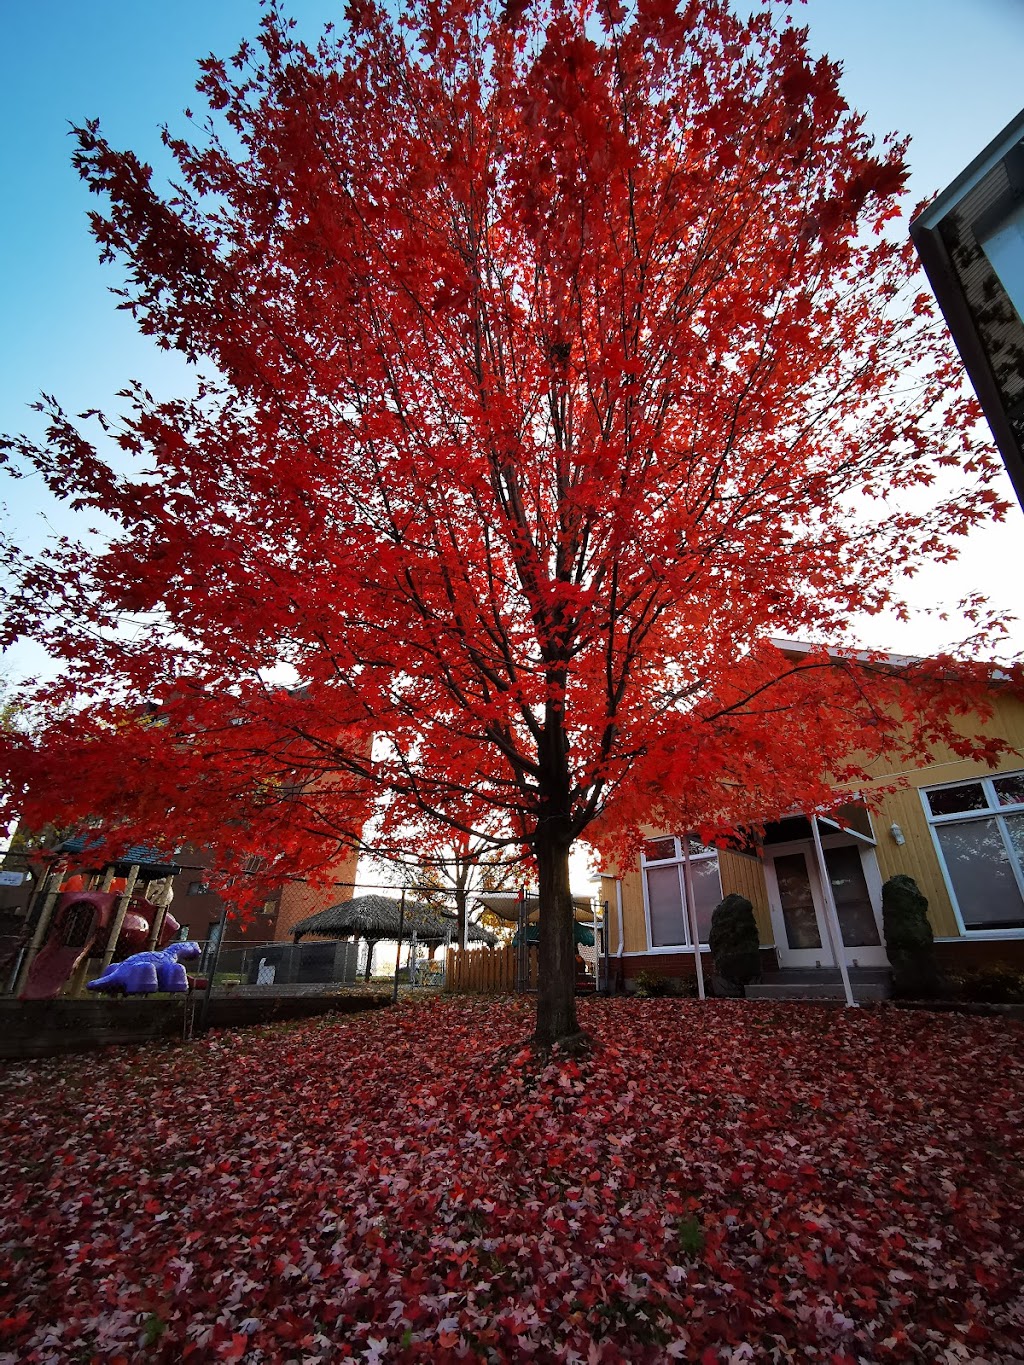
{"x": 860, "y": 956}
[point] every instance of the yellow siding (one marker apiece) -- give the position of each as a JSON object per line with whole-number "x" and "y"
{"x": 1007, "y": 723}
{"x": 634, "y": 925}
{"x": 916, "y": 857}
{"x": 740, "y": 875}
{"x": 745, "y": 877}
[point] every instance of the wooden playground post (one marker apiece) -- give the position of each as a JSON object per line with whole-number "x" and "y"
{"x": 122, "y": 910}
{"x": 52, "y": 890}
{"x": 160, "y": 909}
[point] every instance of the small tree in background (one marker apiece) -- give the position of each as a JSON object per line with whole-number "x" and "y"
{"x": 463, "y": 869}
{"x": 555, "y": 359}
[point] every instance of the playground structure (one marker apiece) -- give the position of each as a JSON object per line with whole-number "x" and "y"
{"x": 523, "y": 911}
{"x": 144, "y": 973}
{"x": 124, "y": 908}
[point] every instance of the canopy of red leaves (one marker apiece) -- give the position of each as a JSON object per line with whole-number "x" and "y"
{"x": 552, "y": 359}
{"x": 716, "y": 1183}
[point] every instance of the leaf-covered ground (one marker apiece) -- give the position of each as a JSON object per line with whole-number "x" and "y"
{"x": 725, "y": 1182}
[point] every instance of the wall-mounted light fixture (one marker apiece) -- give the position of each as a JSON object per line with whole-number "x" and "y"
{"x": 897, "y": 834}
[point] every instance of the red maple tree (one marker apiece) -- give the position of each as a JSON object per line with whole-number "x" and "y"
{"x": 554, "y": 358}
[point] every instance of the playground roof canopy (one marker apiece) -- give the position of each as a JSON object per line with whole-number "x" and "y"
{"x": 505, "y": 906}
{"x": 377, "y": 917}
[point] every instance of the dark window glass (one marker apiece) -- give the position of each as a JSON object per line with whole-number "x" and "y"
{"x": 791, "y": 829}
{"x": 797, "y": 901}
{"x": 952, "y": 800}
{"x": 1010, "y": 790}
{"x": 658, "y": 850}
{"x": 853, "y": 901}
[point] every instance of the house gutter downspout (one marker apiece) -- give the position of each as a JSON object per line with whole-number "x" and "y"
{"x": 835, "y": 933}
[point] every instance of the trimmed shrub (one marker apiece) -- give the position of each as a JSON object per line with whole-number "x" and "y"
{"x": 908, "y": 939}
{"x": 647, "y": 987}
{"x": 991, "y": 985}
{"x": 734, "y": 943}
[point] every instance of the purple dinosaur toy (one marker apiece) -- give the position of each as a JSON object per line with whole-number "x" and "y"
{"x": 145, "y": 972}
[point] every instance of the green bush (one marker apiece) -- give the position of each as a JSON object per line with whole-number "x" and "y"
{"x": 990, "y": 985}
{"x": 735, "y": 946}
{"x": 647, "y": 987}
{"x": 908, "y": 939}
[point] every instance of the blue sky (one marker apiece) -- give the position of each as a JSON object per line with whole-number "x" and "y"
{"x": 946, "y": 71}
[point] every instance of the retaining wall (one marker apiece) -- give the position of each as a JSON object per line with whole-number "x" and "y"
{"x": 48, "y": 1028}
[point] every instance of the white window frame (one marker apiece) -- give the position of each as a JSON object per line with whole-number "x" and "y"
{"x": 679, "y": 862}
{"x": 992, "y": 811}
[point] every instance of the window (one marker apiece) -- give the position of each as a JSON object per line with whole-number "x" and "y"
{"x": 978, "y": 828}
{"x": 198, "y": 889}
{"x": 664, "y": 874}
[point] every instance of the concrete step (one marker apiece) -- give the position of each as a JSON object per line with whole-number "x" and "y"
{"x": 867, "y": 983}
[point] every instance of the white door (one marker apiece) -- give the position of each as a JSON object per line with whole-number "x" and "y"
{"x": 798, "y": 905}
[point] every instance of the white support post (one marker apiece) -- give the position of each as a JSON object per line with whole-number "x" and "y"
{"x": 691, "y": 910}
{"x": 835, "y": 932}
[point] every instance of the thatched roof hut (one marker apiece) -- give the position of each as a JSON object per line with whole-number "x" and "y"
{"x": 377, "y": 917}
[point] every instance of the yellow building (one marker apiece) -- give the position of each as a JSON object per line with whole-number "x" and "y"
{"x": 955, "y": 826}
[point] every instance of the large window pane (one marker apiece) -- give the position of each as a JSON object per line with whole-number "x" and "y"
{"x": 952, "y": 800}
{"x": 797, "y": 901}
{"x": 853, "y": 902}
{"x": 707, "y": 892}
{"x": 978, "y": 863}
{"x": 665, "y": 902}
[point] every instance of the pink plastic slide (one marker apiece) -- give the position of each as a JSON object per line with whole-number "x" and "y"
{"x": 52, "y": 969}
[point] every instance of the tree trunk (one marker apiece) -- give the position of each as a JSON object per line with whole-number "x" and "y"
{"x": 370, "y": 945}
{"x": 556, "y": 987}
{"x": 556, "y": 995}
{"x": 462, "y": 916}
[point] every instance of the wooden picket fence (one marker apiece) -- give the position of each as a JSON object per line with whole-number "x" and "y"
{"x": 486, "y": 971}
